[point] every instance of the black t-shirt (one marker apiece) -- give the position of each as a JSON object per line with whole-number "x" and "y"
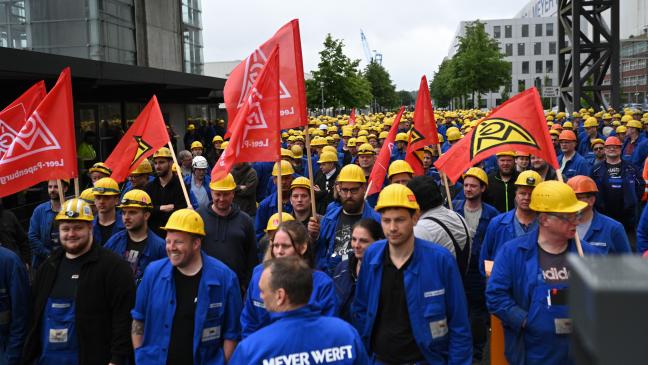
{"x": 182, "y": 333}
{"x": 392, "y": 339}
{"x": 67, "y": 277}
{"x": 132, "y": 254}
{"x": 614, "y": 193}
{"x": 106, "y": 232}
{"x": 54, "y": 234}
{"x": 343, "y": 234}
{"x": 554, "y": 266}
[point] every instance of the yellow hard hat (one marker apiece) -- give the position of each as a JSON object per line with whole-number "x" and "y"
{"x": 550, "y": 118}
{"x": 284, "y": 135}
{"x": 363, "y": 133}
{"x": 399, "y": 167}
{"x": 351, "y": 142}
{"x": 191, "y": 127}
{"x": 634, "y": 124}
{"x": 621, "y": 129}
{"x": 506, "y": 153}
{"x": 287, "y": 153}
{"x": 217, "y": 139}
{"x": 273, "y": 222}
{"x": 597, "y": 141}
{"x": 453, "y": 134}
{"x": 528, "y": 178}
{"x": 143, "y": 168}
{"x": 362, "y": 139}
{"x": 297, "y": 151}
{"x": 163, "y": 152}
{"x": 397, "y": 196}
{"x": 329, "y": 149}
{"x": 318, "y": 142}
{"x": 225, "y": 184}
{"x": 383, "y": 135}
{"x": 591, "y": 122}
{"x": 196, "y": 144}
{"x": 478, "y": 174}
{"x": 347, "y": 132}
{"x": 568, "y": 125}
{"x": 224, "y": 145}
{"x": 352, "y": 173}
{"x": 186, "y": 220}
{"x": 105, "y": 186}
{"x": 327, "y": 156}
{"x": 555, "y": 197}
{"x": 440, "y": 136}
{"x": 626, "y": 118}
{"x": 366, "y": 149}
{"x": 300, "y": 182}
{"x": 87, "y": 196}
{"x": 401, "y": 137}
{"x": 101, "y": 167}
{"x": 286, "y": 169}
{"x": 75, "y": 210}
{"x": 136, "y": 199}
{"x": 607, "y": 116}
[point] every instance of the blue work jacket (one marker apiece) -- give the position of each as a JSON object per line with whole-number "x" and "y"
{"x": 632, "y": 185}
{"x": 578, "y": 165}
{"x": 128, "y": 186}
{"x": 216, "y": 318}
{"x": 642, "y": 232}
{"x": 205, "y": 185}
{"x": 302, "y": 336}
{"x": 607, "y": 234}
{"x": 39, "y": 234}
{"x": 639, "y": 155}
{"x": 434, "y": 294}
{"x": 254, "y": 315}
{"x": 266, "y": 209}
{"x": 326, "y": 239}
{"x": 264, "y": 174}
{"x": 155, "y": 249}
{"x": 500, "y": 230}
{"x": 515, "y": 275}
{"x": 628, "y": 156}
{"x": 15, "y": 306}
{"x": 96, "y": 231}
{"x": 585, "y": 143}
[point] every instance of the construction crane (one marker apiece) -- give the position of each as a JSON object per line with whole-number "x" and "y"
{"x": 370, "y": 56}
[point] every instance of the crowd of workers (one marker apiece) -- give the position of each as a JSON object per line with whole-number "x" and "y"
{"x": 132, "y": 272}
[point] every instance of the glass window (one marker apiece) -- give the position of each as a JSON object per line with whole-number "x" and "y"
{"x": 538, "y": 67}
{"x": 552, "y": 47}
{"x": 549, "y": 29}
{"x": 497, "y": 30}
{"x": 525, "y": 67}
{"x": 520, "y": 51}
{"x": 549, "y": 66}
{"x": 192, "y": 37}
{"x": 521, "y": 85}
{"x": 509, "y": 49}
{"x": 537, "y": 83}
{"x": 508, "y": 31}
{"x": 537, "y": 48}
{"x": 525, "y": 30}
{"x": 538, "y": 30}
{"x": 548, "y": 82}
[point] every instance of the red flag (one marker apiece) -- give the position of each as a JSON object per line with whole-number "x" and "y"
{"x": 518, "y": 125}
{"x": 424, "y": 131}
{"x": 147, "y": 135}
{"x": 29, "y": 100}
{"x": 255, "y": 136}
{"x": 44, "y": 147}
{"x": 352, "y": 117}
{"x": 377, "y": 177}
{"x": 291, "y": 78}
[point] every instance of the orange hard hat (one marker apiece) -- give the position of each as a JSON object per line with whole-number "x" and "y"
{"x": 613, "y": 141}
{"x": 582, "y": 184}
{"x": 557, "y": 127}
{"x": 567, "y": 136}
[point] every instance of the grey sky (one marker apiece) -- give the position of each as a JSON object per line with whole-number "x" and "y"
{"x": 413, "y": 36}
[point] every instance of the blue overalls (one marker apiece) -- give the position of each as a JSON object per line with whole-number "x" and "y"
{"x": 58, "y": 337}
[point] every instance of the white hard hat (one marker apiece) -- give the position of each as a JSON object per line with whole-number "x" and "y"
{"x": 199, "y": 162}
{"x": 323, "y": 127}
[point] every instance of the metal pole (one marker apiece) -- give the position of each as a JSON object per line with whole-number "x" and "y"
{"x": 322, "y": 90}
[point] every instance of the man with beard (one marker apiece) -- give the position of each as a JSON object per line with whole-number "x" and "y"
{"x": 43, "y": 235}
{"x": 541, "y": 166}
{"x": 477, "y": 214}
{"x": 108, "y": 220}
{"x": 165, "y": 191}
{"x": 334, "y": 242}
{"x": 188, "y": 305}
{"x": 501, "y": 191}
{"x": 598, "y": 152}
{"x": 325, "y": 180}
{"x": 300, "y": 200}
{"x": 82, "y": 298}
{"x": 511, "y": 224}
{"x": 138, "y": 245}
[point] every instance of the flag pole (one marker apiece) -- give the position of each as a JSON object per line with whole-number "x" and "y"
{"x": 76, "y": 187}
{"x": 445, "y": 179}
{"x": 59, "y": 185}
{"x": 178, "y": 171}
{"x": 310, "y": 171}
{"x": 368, "y": 188}
{"x": 579, "y": 246}
{"x": 279, "y": 192}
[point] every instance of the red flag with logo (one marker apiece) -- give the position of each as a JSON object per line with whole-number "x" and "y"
{"x": 352, "y": 117}
{"x": 379, "y": 170}
{"x": 44, "y": 147}
{"x": 255, "y": 135}
{"x": 424, "y": 132}
{"x": 517, "y": 125}
{"x": 147, "y": 135}
{"x": 292, "y": 90}
{"x": 28, "y": 101}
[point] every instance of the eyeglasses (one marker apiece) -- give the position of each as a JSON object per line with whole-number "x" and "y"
{"x": 575, "y": 218}
{"x": 349, "y": 191}
{"x": 598, "y": 148}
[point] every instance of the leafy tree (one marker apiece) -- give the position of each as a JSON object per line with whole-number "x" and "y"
{"x": 384, "y": 92}
{"x": 338, "y": 79}
{"x": 442, "y": 86}
{"x": 406, "y": 98}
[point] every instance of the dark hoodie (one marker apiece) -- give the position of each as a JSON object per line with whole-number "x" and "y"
{"x": 244, "y": 175}
{"x": 231, "y": 240}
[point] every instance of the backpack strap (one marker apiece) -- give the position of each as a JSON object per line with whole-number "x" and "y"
{"x": 462, "y": 255}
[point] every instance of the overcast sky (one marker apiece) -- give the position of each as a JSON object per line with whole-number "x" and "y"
{"x": 413, "y": 36}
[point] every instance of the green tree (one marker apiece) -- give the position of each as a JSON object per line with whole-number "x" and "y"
{"x": 384, "y": 92}
{"x": 407, "y": 98}
{"x": 443, "y": 87}
{"x": 337, "y": 80}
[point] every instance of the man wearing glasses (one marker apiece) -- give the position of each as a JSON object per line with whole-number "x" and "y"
{"x": 598, "y": 152}
{"x": 334, "y": 243}
{"x": 527, "y": 287}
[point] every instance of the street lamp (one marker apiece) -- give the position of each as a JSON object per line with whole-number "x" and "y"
{"x": 322, "y": 90}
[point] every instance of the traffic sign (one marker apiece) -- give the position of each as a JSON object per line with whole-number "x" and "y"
{"x": 550, "y": 92}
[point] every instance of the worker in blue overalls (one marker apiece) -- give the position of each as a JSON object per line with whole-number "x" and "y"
{"x": 188, "y": 305}
{"x": 526, "y": 289}
{"x": 14, "y": 308}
